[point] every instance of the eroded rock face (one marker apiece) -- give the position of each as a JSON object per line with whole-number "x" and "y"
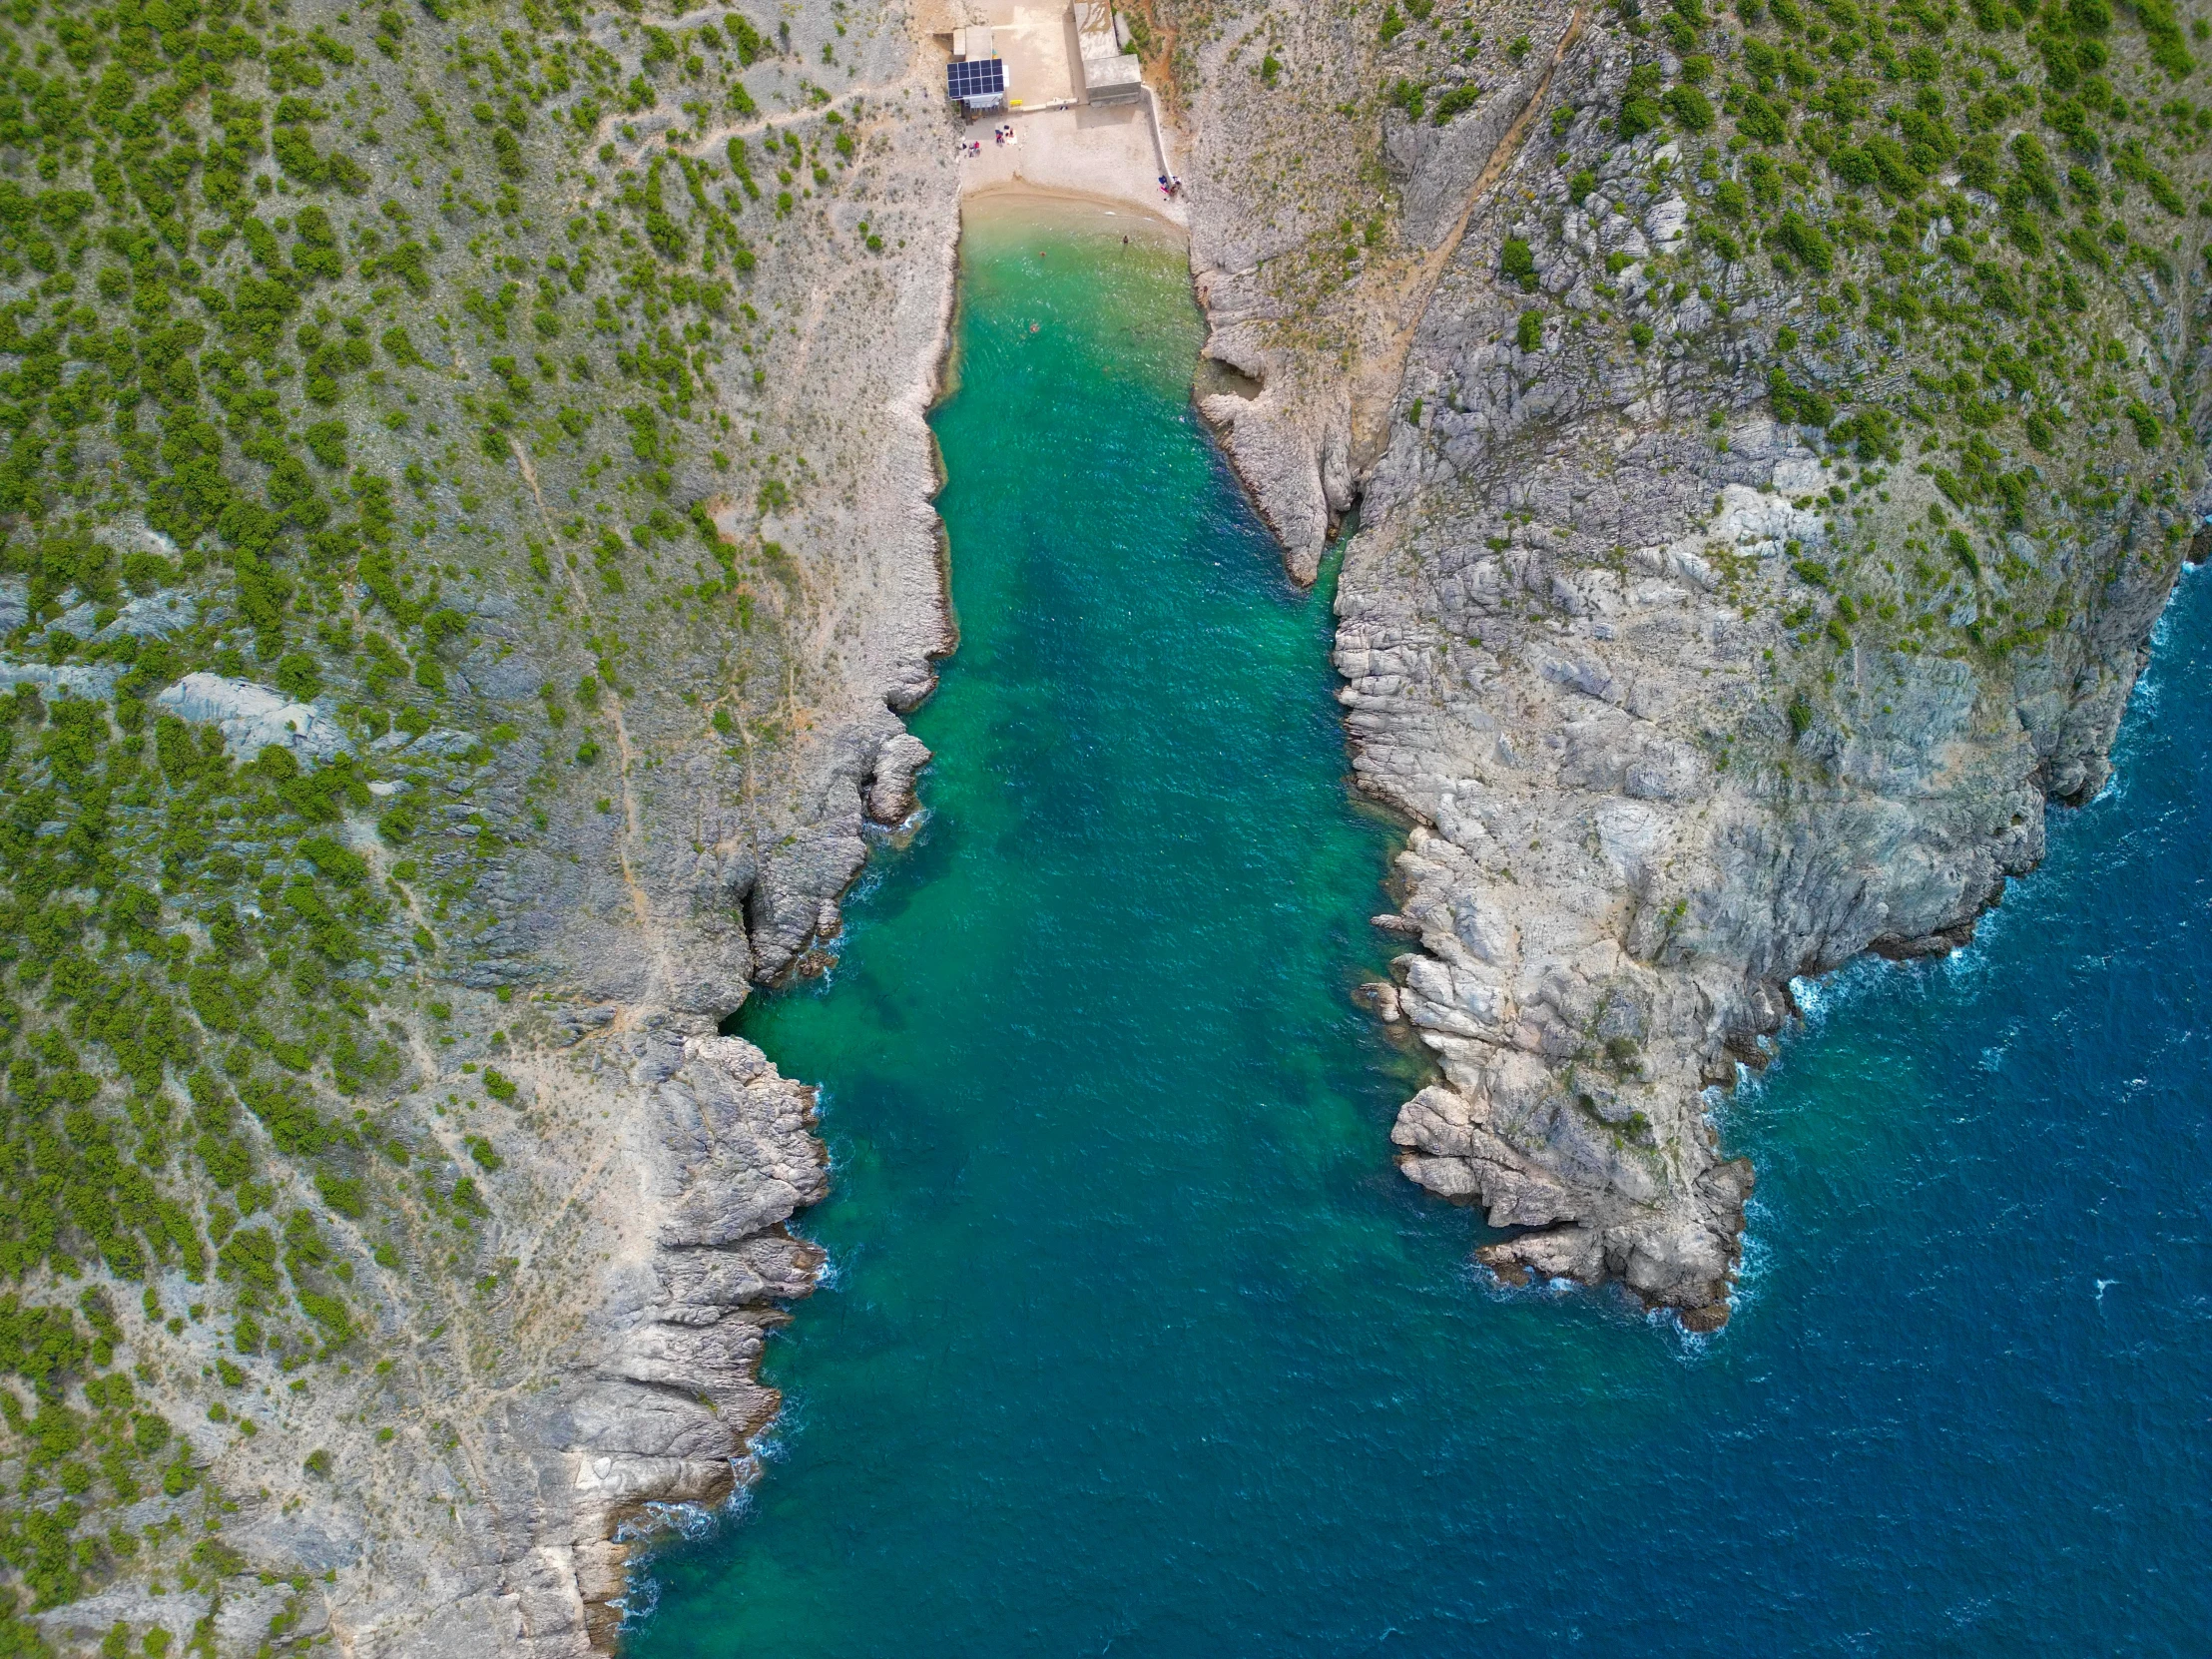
{"x": 252, "y": 718}
{"x": 1623, "y": 852}
{"x": 1690, "y": 683}
{"x": 555, "y": 500}
{"x": 613, "y": 1380}
{"x": 652, "y": 1396}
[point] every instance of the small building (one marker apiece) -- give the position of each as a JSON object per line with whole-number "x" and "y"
{"x": 1114, "y": 80}
{"x": 976, "y": 79}
{"x": 1112, "y": 74}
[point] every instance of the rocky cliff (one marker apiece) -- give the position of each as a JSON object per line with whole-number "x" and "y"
{"x": 467, "y": 552}
{"x": 1774, "y": 435}
{"x": 466, "y": 549}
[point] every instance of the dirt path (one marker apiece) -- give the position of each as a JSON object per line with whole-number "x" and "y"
{"x": 633, "y": 829}
{"x": 715, "y": 137}
{"x": 1374, "y": 387}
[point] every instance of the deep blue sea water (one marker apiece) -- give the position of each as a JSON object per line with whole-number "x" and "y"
{"x": 1136, "y": 1343}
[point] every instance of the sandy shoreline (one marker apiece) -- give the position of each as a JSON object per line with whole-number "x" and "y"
{"x": 1022, "y": 196}
{"x": 1107, "y": 154}
{"x": 1070, "y": 210}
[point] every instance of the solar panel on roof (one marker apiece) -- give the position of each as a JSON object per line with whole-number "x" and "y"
{"x": 975, "y": 78}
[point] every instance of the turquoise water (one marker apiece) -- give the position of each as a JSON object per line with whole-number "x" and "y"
{"x": 1135, "y": 1340}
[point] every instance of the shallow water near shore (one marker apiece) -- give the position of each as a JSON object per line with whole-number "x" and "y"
{"x": 1135, "y": 1340}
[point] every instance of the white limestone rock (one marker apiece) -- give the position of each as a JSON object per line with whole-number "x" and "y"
{"x": 252, "y": 718}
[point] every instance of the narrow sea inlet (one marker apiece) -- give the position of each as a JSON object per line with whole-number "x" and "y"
{"x": 1137, "y": 1341}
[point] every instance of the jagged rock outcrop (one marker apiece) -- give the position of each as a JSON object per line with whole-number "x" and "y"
{"x": 638, "y": 1388}
{"x": 1713, "y": 617}
{"x": 466, "y": 553}
{"x": 1626, "y": 853}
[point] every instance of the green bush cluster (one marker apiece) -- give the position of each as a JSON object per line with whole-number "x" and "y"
{"x": 241, "y": 318}
{"x": 1971, "y": 332}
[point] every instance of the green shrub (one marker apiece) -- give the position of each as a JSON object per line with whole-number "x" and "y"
{"x": 295, "y": 1126}
{"x": 343, "y": 1194}
{"x": 249, "y": 1258}
{"x": 149, "y": 1433}
{"x": 1456, "y": 102}
{"x": 2167, "y": 50}
{"x": 299, "y": 677}
{"x": 1759, "y": 120}
{"x": 1800, "y": 238}
{"x": 341, "y": 863}
{"x": 40, "y": 1344}
{"x": 330, "y": 1312}
{"x": 325, "y": 441}
{"x": 1639, "y": 115}
{"x": 297, "y": 155}
{"x": 1691, "y": 109}
{"x": 1797, "y": 403}
{"x": 1854, "y": 167}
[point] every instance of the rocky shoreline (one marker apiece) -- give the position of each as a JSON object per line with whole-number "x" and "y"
{"x": 463, "y": 577}
{"x": 1688, "y": 683}
{"x": 461, "y": 793}
{"x": 655, "y": 1401}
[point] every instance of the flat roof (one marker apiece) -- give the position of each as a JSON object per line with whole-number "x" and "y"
{"x": 1124, "y": 70}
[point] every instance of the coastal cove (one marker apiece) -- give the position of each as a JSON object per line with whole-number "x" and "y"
{"x": 1132, "y": 1336}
